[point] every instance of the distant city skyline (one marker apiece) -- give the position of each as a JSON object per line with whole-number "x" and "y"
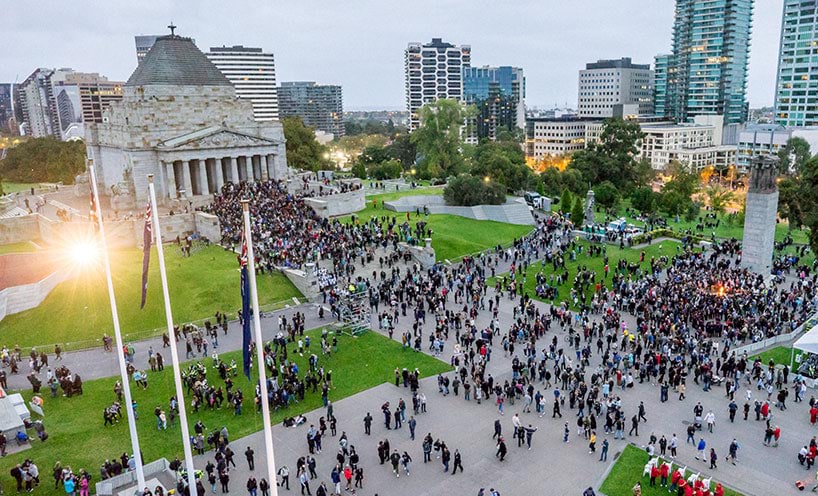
{"x": 360, "y": 44}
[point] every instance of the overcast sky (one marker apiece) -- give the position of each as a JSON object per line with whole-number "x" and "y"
{"x": 359, "y": 43}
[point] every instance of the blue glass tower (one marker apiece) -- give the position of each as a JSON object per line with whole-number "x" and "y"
{"x": 498, "y": 94}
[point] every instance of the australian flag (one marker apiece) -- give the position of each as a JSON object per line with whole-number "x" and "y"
{"x": 147, "y": 238}
{"x": 245, "y": 308}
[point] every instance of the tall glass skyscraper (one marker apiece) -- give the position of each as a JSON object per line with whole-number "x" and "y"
{"x": 796, "y": 94}
{"x": 707, "y": 71}
{"x": 498, "y": 94}
{"x": 660, "y": 80}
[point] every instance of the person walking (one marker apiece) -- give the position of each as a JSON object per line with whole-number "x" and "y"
{"x": 501, "y": 449}
{"x": 250, "y": 455}
{"x": 498, "y": 429}
{"x": 252, "y": 486}
{"x": 394, "y": 459}
{"x": 406, "y": 461}
{"x": 634, "y": 426}
{"x": 592, "y": 443}
{"x": 529, "y": 433}
{"x": 458, "y": 462}
{"x": 710, "y": 420}
{"x": 733, "y": 451}
{"x": 700, "y": 448}
{"x": 566, "y": 431}
{"x": 284, "y": 472}
{"x": 713, "y": 458}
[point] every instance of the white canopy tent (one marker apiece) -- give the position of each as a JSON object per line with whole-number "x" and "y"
{"x": 807, "y": 343}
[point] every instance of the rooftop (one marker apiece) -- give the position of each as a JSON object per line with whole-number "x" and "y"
{"x": 175, "y": 60}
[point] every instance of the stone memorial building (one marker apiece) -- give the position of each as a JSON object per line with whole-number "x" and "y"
{"x": 180, "y": 120}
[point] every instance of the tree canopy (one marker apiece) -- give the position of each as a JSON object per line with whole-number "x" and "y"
{"x": 303, "y": 150}
{"x": 612, "y": 158}
{"x": 44, "y": 160}
{"x": 503, "y": 162}
{"x": 793, "y": 156}
{"x": 438, "y": 139}
{"x": 467, "y": 190}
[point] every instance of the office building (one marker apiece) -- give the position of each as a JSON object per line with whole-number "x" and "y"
{"x": 58, "y": 102}
{"x": 498, "y": 94}
{"x": 319, "y": 105}
{"x": 707, "y": 70}
{"x": 606, "y": 83}
{"x": 433, "y": 71}
{"x": 253, "y": 73}
{"x": 553, "y": 137}
{"x": 796, "y": 97}
{"x": 696, "y": 145}
{"x": 760, "y": 140}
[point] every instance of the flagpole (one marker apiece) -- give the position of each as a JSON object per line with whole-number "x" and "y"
{"x": 174, "y": 354}
{"x": 126, "y": 386}
{"x": 262, "y": 372}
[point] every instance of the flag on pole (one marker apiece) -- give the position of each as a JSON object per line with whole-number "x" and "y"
{"x": 147, "y": 237}
{"x": 245, "y": 308}
{"x": 93, "y": 215}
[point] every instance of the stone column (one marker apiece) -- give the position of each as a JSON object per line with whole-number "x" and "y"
{"x": 171, "y": 180}
{"x": 203, "y": 189}
{"x": 234, "y": 170}
{"x": 186, "y": 178}
{"x": 248, "y": 164}
{"x": 265, "y": 170}
{"x": 219, "y": 174}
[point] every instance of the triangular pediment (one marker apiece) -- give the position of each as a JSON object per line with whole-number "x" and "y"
{"x": 213, "y": 137}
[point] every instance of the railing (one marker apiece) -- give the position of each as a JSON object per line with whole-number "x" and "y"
{"x": 782, "y": 338}
{"x": 108, "y": 486}
{"x": 152, "y": 333}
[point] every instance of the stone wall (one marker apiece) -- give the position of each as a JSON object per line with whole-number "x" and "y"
{"x": 304, "y": 280}
{"x": 424, "y": 255}
{"x": 19, "y": 229}
{"x": 207, "y": 225}
{"x": 24, "y": 297}
{"x": 759, "y": 232}
{"x": 338, "y": 204}
{"x": 512, "y": 212}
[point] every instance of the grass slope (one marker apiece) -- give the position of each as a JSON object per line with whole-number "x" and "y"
{"x": 595, "y": 264}
{"x": 78, "y": 311}
{"x": 15, "y": 187}
{"x": 627, "y": 471}
{"x": 23, "y": 247}
{"x": 452, "y": 236}
{"x": 779, "y": 355}
{"x": 75, "y": 425}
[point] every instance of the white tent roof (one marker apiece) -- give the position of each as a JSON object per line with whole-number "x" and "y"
{"x": 808, "y": 342}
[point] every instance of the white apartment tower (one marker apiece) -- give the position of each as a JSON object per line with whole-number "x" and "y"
{"x": 253, "y": 73}
{"x": 606, "y": 83}
{"x": 433, "y": 71}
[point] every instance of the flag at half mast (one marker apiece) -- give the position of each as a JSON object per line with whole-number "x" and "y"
{"x": 147, "y": 238}
{"x": 245, "y": 309}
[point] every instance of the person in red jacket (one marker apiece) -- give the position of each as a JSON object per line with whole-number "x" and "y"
{"x": 654, "y": 473}
{"x": 813, "y": 414}
{"x": 719, "y": 490}
{"x": 663, "y": 473}
{"x": 765, "y": 409}
{"x": 683, "y": 486}
{"x": 674, "y": 480}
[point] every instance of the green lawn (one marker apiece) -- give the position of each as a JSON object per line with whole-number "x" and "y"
{"x": 77, "y": 312}
{"x": 594, "y": 263}
{"x": 725, "y": 229}
{"x": 779, "y": 355}
{"x": 452, "y": 236}
{"x": 75, "y": 425}
{"x": 627, "y": 471}
{"x": 24, "y": 247}
{"x": 15, "y": 187}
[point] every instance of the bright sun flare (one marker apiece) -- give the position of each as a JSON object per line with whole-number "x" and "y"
{"x": 83, "y": 252}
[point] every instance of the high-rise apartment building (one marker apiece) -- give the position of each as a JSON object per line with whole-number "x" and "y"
{"x": 707, "y": 70}
{"x": 498, "y": 93}
{"x": 433, "y": 71}
{"x": 253, "y": 73}
{"x": 661, "y": 67}
{"x": 57, "y": 102}
{"x": 607, "y": 83}
{"x": 796, "y": 95}
{"x": 319, "y": 105}
{"x": 7, "y": 121}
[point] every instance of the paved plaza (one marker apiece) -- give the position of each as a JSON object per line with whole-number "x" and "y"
{"x": 550, "y": 467}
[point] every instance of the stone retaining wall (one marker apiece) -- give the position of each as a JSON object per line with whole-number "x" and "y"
{"x": 17, "y": 299}
{"x": 338, "y": 204}
{"x": 512, "y": 212}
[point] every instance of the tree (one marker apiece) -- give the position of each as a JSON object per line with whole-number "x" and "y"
{"x": 438, "y": 139}
{"x": 503, "y": 162}
{"x": 789, "y": 201}
{"x": 467, "y": 190}
{"x": 809, "y": 200}
{"x": 606, "y": 194}
{"x": 644, "y": 200}
{"x": 390, "y": 169}
{"x": 719, "y": 198}
{"x": 402, "y": 148}
{"x": 44, "y": 160}
{"x": 612, "y": 158}
{"x": 566, "y": 201}
{"x": 682, "y": 180}
{"x": 373, "y": 154}
{"x": 551, "y": 181}
{"x": 303, "y": 150}
{"x": 673, "y": 202}
{"x": 577, "y": 213}
{"x": 358, "y": 169}
{"x": 793, "y": 156}
{"x": 643, "y": 173}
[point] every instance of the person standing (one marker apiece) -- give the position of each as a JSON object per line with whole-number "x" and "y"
{"x": 412, "y": 424}
{"x": 252, "y": 486}
{"x": 305, "y": 482}
{"x": 251, "y": 460}
{"x": 368, "y": 424}
{"x": 529, "y": 433}
{"x": 224, "y": 479}
{"x": 592, "y": 443}
{"x": 710, "y": 420}
{"x": 603, "y": 457}
{"x": 733, "y": 451}
{"x": 394, "y": 459}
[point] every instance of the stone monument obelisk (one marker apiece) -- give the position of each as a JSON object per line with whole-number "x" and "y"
{"x": 759, "y": 219}
{"x": 590, "y": 220}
